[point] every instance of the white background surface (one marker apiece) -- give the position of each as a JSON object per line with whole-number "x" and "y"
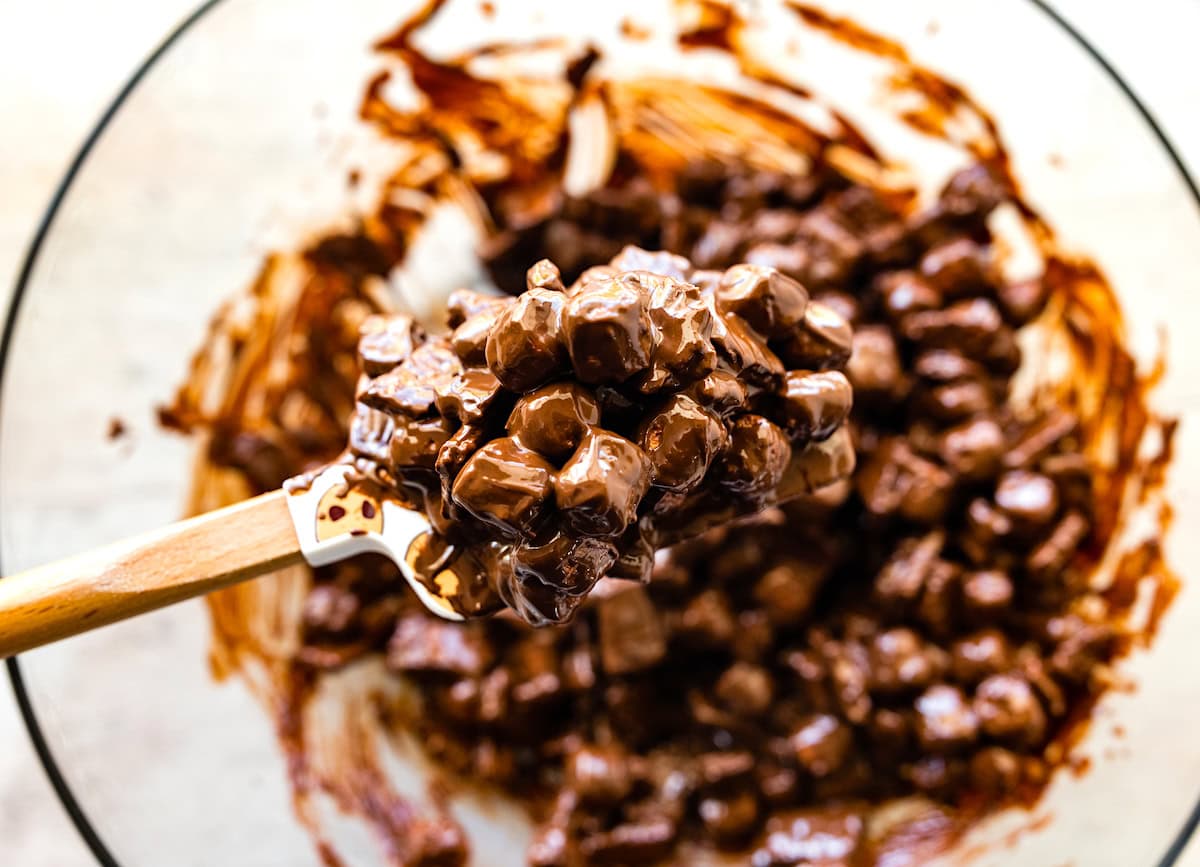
{"x": 61, "y": 61}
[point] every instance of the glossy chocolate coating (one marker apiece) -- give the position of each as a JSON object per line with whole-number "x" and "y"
{"x": 567, "y": 433}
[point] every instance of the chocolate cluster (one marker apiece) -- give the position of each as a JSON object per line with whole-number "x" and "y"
{"x": 566, "y": 433}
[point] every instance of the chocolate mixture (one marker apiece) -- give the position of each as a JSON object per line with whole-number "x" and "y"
{"x": 937, "y": 626}
{"x": 567, "y": 433}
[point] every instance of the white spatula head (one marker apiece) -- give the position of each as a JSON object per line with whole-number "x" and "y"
{"x": 337, "y": 516}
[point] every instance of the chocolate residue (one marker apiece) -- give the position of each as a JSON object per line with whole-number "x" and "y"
{"x": 744, "y": 700}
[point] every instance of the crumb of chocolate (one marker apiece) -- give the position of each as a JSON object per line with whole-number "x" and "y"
{"x": 117, "y": 429}
{"x": 631, "y": 29}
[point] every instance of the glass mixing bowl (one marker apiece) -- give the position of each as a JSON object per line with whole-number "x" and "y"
{"x": 234, "y": 139}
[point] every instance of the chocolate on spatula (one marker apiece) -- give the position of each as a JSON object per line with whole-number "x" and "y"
{"x": 564, "y": 435}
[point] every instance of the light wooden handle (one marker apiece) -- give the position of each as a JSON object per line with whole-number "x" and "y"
{"x": 145, "y": 573}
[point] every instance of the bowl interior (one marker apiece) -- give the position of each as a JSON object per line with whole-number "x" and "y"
{"x": 237, "y": 142}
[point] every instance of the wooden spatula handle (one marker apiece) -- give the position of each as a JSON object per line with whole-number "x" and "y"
{"x": 144, "y": 573}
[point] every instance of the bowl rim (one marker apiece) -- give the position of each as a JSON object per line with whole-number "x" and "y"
{"x": 75, "y": 811}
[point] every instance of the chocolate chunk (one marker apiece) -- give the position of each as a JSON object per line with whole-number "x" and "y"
{"x": 904, "y": 292}
{"x": 995, "y": 771}
{"x": 745, "y": 689}
{"x": 753, "y": 637}
{"x": 411, "y": 388}
{"x": 599, "y": 488}
{"x": 424, "y": 644}
{"x": 467, "y": 397}
{"x": 1040, "y": 438}
{"x": 553, "y": 420}
{"x": 756, "y": 458}
{"x": 607, "y": 330}
{"x": 718, "y": 244}
{"x": 636, "y": 559}
{"x": 599, "y": 774}
{"x": 936, "y": 776}
{"x": 985, "y": 527}
{"x": 506, "y": 485}
{"x": 895, "y": 480}
{"x": 719, "y": 770}
{"x": 525, "y": 347}
{"x": 814, "y": 404}
{"x": 973, "y": 449}
{"x": 968, "y": 326}
{"x": 772, "y": 303}
{"x": 978, "y": 655}
{"x": 681, "y": 440}
{"x": 662, "y": 262}
{"x": 849, "y": 672}
{"x": 746, "y": 353}
{"x": 843, "y": 304}
{"x": 548, "y": 848}
{"x": 788, "y": 590}
{"x": 874, "y": 366}
{"x": 330, "y": 611}
{"x": 707, "y": 620}
{"x": 416, "y": 442}
{"x": 595, "y": 274}
{"x": 544, "y": 274}
{"x": 822, "y": 253}
{"x": 987, "y": 594}
{"x": 945, "y": 365}
{"x": 821, "y": 744}
{"x": 469, "y": 339}
{"x": 729, "y": 820}
{"x": 720, "y": 391}
{"x": 438, "y": 842}
{"x": 973, "y": 192}
{"x": 812, "y": 837}
{"x": 1080, "y": 652}
{"x": 464, "y": 304}
{"x": 370, "y": 437}
{"x": 904, "y": 574}
{"x": 386, "y": 341}
{"x": 901, "y": 661}
{"x": 565, "y": 562}
{"x": 682, "y": 322}
{"x": 630, "y": 632}
{"x": 1003, "y": 355}
{"x": 823, "y": 341}
{"x": 1009, "y": 711}
{"x": 937, "y": 608}
{"x": 642, "y": 842}
{"x": 1023, "y": 301}
{"x": 1029, "y": 499}
{"x": 945, "y": 721}
{"x": 956, "y": 401}
{"x": 957, "y": 268}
